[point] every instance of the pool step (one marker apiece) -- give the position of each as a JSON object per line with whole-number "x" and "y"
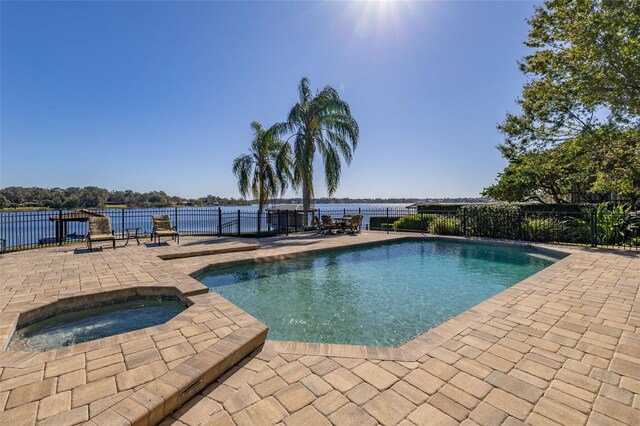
{"x": 207, "y": 252}
{"x": 161, "y": 397}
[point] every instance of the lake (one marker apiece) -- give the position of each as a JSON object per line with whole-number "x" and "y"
{"x": 34, "y": 228}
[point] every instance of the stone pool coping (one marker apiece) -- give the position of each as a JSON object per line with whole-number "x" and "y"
{"x": 56, "y": 273}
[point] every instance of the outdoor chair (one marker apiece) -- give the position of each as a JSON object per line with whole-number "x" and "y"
{"x": 162, "y": 228}
{"x": 316, "y": 224}
{"x": 354, "y": 224}
{"x": 100, "y": 230}
{"x": 327, "y": 224}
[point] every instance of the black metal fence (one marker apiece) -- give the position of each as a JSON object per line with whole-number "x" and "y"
{"x": 594, "y": 226}
{"x": 602, "y": 226}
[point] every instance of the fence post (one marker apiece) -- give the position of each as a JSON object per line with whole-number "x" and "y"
{"x": 219, "y": 222}
{"x": 387, "y": 224}
{"x": 594, "y": 227}
{"x": 239, "y": 222}
{"x": 122, "y": 229}
{"x": 259, "y": 214}
{"x": 287, "y": 221}
{"x": 175, "y": 211}
{"x": 464, "y": 221}
{"x": 60, "y": 229}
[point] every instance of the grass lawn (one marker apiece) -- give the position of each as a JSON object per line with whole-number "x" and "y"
{"x": 23, "y": 209}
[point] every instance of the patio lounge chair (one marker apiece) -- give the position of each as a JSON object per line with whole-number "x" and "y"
{"x": 354, "y": 224}
{"x": 327, "y": 224}
{"x": 100, "y": 230}
{"x": 316, "y": 224}
{"x": 162, "y": 228}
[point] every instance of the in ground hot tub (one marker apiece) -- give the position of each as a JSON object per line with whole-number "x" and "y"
{"x": 82, "y": 325}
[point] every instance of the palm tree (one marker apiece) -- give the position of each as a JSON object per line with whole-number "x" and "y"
{"x": 264, "y": 172}
{"x": 323, "y": 123}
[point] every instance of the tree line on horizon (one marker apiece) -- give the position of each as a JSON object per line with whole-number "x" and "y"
{"x": 94, "y": 197}
{"x": 578, "y": 129}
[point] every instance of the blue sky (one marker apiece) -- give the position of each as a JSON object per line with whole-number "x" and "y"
{"x": 160, "y": 95}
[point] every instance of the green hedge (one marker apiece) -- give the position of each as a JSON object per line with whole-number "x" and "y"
{"x": 570, "y": 223}
{"x": 446, "y": 225}
{"x": 411, "y": 222}
{"x": 552, "y": 208}
{"x": 437, "y": 208}
{"x": 524, "y": 207}
{"x": 543, "y": 229}
{"x": 378, "y": 222}
{"x": 491, "y": 220}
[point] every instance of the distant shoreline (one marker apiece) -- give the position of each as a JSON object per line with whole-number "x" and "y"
{"x": 251, "y": 203}
{"x": 17, "y": 198}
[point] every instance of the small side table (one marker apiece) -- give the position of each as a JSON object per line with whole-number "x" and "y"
{"x": 131, "y": 234}
{"x": 341, "y": 223}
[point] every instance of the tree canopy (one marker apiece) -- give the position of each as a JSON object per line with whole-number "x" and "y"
{"x": 581, "y": 104}
{"x": 92, "y": 197}
{"x": 320, "y": 122}
{"x": 264, "y": 172}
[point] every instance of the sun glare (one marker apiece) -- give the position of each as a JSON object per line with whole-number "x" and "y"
{"x": 379, "y": 18}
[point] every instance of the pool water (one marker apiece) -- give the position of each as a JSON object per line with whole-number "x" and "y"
{"x": 94, "y": 323}
{"x": 380, "y": 295}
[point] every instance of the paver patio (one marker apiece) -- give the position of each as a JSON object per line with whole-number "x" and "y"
{"x": 561, "y": 347}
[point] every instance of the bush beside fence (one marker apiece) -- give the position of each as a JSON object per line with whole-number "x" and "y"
{"x": 604, "y": 225}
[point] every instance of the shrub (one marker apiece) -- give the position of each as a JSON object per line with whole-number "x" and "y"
{"x": 579, "y": 228}
{"x": 379, "y": 222}
{"x": 491, "y": 220}
{"x": 614, "y": 225}
{"x": 569, "y": 209}
{"x": 542, "y": 229}
{"x": 445, "y": 225}
{"x": 634, "y": 242}
{"x": 438, "y": 208}
{"x": 411, "y": 222}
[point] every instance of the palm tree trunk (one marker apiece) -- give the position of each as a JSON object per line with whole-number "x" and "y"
{"x": 261, "y": 195}
{"x": 306, "y": 202}
{"x": 262, "y": 199}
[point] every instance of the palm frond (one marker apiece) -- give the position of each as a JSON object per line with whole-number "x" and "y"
{"x": 332, "y": 169}
{"x": 242, "y": 169}
{"x": 323, "y": 123}
{"x": 304, "y": 91}
{"x": 266, "y": 170}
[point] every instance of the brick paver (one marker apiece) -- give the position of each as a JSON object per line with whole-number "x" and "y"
{"x": 561, "y": 347}
{"x": 558, "y": 348}
{"x": 138, "y": 376}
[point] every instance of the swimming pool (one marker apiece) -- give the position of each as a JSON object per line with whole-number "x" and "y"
{"x": 381, "y": 295}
